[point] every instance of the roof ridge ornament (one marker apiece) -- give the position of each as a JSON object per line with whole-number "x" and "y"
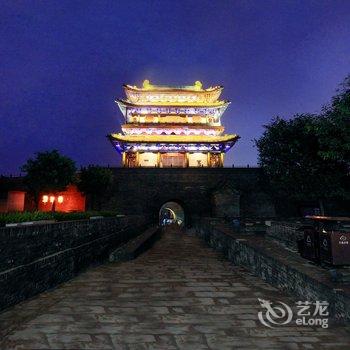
{"x": 147, "y": 85}
{"x": 197, "y": 86}
{"x": 186, "y": 95}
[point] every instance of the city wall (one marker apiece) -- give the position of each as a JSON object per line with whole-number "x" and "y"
{"x": 38, "y": 257}
{"x": 280, "y": 267}
{"x": 222, "y": 192}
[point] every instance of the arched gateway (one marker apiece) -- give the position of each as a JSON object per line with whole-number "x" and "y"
{"x": 201, "y": 192}
{"x": 171, "y": 213}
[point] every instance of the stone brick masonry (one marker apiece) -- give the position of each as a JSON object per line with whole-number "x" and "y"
{"x": 287, "y": 232}
{"x": 145, "y": 190}
{"x": 36, "y": 258}
{"x": 180, "y": 294}
{"x": 278, "y": 266}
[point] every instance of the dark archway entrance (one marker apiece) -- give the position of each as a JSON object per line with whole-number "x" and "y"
{"x": 171, "y": 213}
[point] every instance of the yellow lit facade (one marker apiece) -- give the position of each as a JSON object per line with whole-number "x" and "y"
{"x": 172, "y": 127}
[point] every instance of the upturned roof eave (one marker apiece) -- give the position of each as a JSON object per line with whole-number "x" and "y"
{"x": 192, "y": 139}
{"x": 126, "y": 103}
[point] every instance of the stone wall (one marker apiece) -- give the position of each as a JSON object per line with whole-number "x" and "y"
{"x": 280, "y": 268}
{"x": 226, "y": 203}
{"x": 286, "y": 232}
{"x": 200, "y": 191}
{"x": 36, "y": 258}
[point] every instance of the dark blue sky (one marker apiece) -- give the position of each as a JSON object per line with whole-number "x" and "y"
{"x": 62, "y": 64}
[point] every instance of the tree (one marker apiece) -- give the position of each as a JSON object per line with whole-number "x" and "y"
{"x": 48, "y": 172}
{"x": 308, "y": 157}
{"x": 334, "y": 127}
{"x": 96, "y": 182}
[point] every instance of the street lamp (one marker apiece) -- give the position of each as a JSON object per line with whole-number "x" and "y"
{"x": 52, "y": 199}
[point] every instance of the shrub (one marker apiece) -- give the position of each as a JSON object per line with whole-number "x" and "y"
{"x": 18, "y": 217}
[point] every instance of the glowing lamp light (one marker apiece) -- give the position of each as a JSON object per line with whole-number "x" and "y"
{"x": 45, "y": 199}
{"x": 52, "y": 199}
{"x": 60, "y": 199}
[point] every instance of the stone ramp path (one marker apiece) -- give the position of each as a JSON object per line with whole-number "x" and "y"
{"x": 178, "y": 295}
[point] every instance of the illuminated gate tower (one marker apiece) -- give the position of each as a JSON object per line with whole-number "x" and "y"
{"x": 172, "y": 127}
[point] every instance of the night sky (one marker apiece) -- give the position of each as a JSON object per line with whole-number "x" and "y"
{"x": 62, "y": 65}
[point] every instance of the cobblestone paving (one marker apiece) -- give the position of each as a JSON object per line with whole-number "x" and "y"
{"x": 178, "y": 295}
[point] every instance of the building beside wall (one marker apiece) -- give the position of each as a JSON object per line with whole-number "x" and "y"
{"x": 12, "y": 201}
{"x": 65, "y": 201}
{"x": 15, "y": 197}
{"x": 12, "y": 194}
{"x": 172, "y": 127}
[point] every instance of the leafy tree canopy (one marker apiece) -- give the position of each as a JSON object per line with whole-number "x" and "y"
{"x": 49, "y": 171}
{"x": 307, "y": 157}
{"x": 333, "y": 128}
{"x": 95, "y": 180}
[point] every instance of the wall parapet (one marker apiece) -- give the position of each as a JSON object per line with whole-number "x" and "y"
{"x": 286, "y": 232}
{"x": 36, "y": 258}
{"x": 278, "y": 266}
